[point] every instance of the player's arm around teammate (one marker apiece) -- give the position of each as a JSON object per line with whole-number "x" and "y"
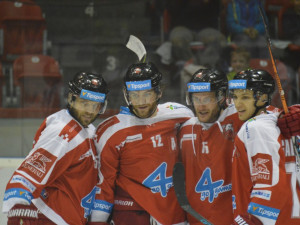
{"x": 56, "y": 182}
{"x": 138, "y": 149}
{"x": 264, "y": 175}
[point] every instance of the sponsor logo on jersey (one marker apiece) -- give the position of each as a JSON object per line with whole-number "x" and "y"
{"x": 233, "y": 202}
{"x": 70, "y": 131}
{"x": 23, "y": 181}
{"x": 262, "y": 169}
{"x": 263, "y": 211}
{"x": 237, "y": 84}
{"x": 31, "y": 213}
{"x": 103, "y": 206}
{"x": 240, "y": 221}
{"x": 92, "y": 96}
{"x": 172, "y": 107}
{"x": 18, "y": 193}
{"x": 263, "y": 194}
{"x": 210, "y": 189}
{"x": 138, "y": 85}
{"x": 38, "y": 163}
{"x": 124, "y": 203}
{"x": 198, "y": 87}
{"x": 158, "y": 182}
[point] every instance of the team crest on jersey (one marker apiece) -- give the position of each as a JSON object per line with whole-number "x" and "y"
{"x": 158, "y": 182}
{"x": 37, "y": 164}
{"x": 262, "y": 169}
{"x": 228, "y": 131}
{"x": 210, "y": 189}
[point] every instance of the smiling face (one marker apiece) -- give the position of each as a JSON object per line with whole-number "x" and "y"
{"x": 144, "y": 103}
{"x": 84, "y": 111}
{"x": 206, "y": 106}
{"x": 239, "y": 62}
{"x": 245, "y": 103}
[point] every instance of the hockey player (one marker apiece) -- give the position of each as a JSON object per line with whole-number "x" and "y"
{"x": 206, "y": 147}
{"x": 265, "y": 179}
{"x": 138, "y": 149}
{"x": 56, "y": 183}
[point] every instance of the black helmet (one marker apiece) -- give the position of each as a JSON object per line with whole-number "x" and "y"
{"x": 143, "y": 71}
{"x": 208, "y": 80}
{"x": 259, "y": 81}
{"x": 88, "y": 81}
{"x": 142, "y": 76}
{"x": 256, "y": 80}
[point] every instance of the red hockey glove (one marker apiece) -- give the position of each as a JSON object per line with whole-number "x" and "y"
{"x": 97, "y": 223}
{"x": 246, "y": 220}
{"x": 289, "y": 123}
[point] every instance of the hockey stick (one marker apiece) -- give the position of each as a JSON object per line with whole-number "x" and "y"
{"x": 179, "y": 186}
{"x": 135, "y": 45}
{"x": 281, "y": 92}
{"x": 268, "y": 39}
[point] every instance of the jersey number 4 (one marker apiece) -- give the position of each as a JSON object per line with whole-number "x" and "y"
{"x": 158, "y": 182}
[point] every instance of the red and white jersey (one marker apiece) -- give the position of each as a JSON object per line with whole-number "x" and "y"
{"x": 60, "y": 174}
{"x": 206, "y": 151}
{"x": 138, "y": 155}
{"x": 265, "y": 182}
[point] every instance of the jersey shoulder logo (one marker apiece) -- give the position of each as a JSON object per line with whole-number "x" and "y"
{"x": 70, "y": 131}
{"x": 262, "y": 168}
{"x": 37, "y": 164}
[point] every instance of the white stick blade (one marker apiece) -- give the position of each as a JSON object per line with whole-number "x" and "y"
{"x": 135, "y": 45}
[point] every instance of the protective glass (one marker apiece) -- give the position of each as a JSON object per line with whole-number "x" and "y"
{"x": 88, "y": 106}
{"x": 204, "y": 98}
{"x": 143, "y": 97}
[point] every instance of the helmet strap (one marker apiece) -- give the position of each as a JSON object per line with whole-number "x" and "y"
{"x": 257, "y": 108}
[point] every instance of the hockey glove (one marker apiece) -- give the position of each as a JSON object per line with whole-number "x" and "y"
{"x": 246, "y": 220}
{"x": 289, "y": 123}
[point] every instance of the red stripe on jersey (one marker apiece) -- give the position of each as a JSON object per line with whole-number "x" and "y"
{"x": 106, "y": 124}
{"x": 70, "y": 130}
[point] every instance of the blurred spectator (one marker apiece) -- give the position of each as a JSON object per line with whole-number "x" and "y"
{"x": 194, "y": 14}
{"x": 246, "y": 27}
{"x": 213, "y": 42}
{"x": 239, "y": 60}
{"x": 291, "y": 31}
{"x": 176, "y": 52}
{"x": 172, "y": 56}
{"x": 291, "y": 22}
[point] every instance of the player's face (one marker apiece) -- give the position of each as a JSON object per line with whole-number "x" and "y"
{"x": 238, "y": 63}
{"x": 85, "y": 111}
{"x": 144, "y": 102}
{"x": 206, "y": 106}
{"x": 244, "y": 103}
